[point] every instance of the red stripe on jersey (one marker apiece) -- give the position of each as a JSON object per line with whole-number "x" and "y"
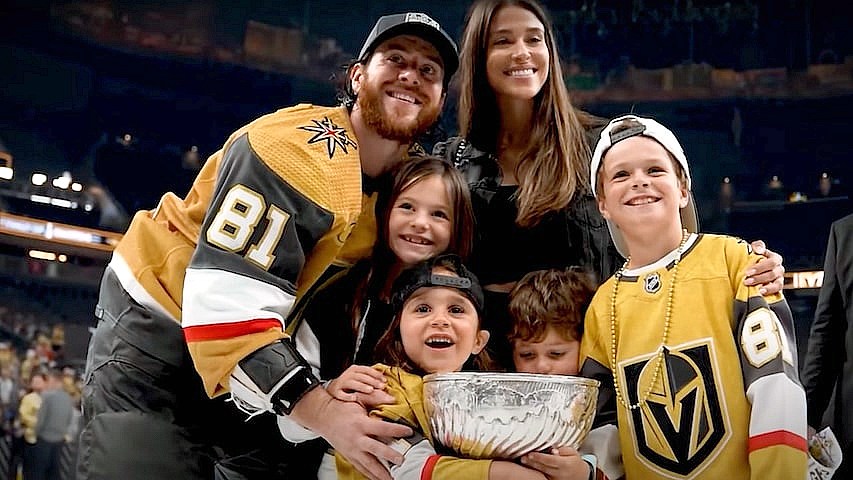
{"x": 779, "y": 437}
{"x": 222, "y": 331}
{"x": 429, "y": 466}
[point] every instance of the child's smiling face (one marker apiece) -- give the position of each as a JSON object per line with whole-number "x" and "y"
{"x": 440, "y": 328}
{"x": 421, "y": 221}
{"x": 640, "y": 185}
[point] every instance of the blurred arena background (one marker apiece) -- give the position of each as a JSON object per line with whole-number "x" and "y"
{"x": 107, "y": 104}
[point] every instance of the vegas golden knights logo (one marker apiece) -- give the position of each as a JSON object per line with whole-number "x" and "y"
{"x": 681, "y": 425}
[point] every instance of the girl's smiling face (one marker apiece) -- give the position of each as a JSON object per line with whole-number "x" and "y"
{"x": 440, "y": 328}
{"x": 421, "y": 221}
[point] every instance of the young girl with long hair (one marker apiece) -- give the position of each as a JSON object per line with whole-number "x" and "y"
{"x": 423, "y": 210}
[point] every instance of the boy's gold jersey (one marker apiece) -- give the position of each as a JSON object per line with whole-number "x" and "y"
{"x": 726, "y": 402}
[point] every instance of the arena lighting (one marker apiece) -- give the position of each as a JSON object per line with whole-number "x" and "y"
{"x": 6, "y": 172}
{"x": 50, "y": 256}
{"x": 37, "y": 229}
{"x": 190, "y": 158}
{"x": 61, "y": 202}
{"x": 126, "y": 140}
{"x": 63, "y": 181}
{"x": 56, "y": 202}
{"x": 825, "y": 184}
{"x": 39, "y": 179}
{"x": 76, "y": 186}
{"x": 801, "y": 280}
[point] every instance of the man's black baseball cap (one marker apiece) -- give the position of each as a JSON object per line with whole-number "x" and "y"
{"x": 417, "y": 24}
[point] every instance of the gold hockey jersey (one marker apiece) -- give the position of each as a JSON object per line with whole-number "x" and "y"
{"x": 727, "y": 402}
{"x": 265, "y": 217}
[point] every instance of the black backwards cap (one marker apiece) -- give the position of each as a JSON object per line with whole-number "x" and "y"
{"x": 417, "y": 24}
{"x": 421, "y": 275}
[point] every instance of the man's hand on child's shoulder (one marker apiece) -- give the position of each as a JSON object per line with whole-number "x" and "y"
{"x": 768, "y": 273}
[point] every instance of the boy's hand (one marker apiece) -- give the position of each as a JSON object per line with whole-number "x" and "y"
{"x": 563, "y": 463}
{"x": 769, "y": 273}
{"x": 362, "y": 384}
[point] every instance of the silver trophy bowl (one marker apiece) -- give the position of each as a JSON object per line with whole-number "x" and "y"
{"x": 506, "y": 415}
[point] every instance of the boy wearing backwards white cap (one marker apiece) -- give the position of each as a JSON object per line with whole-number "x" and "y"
{"x": 698, "y": 371}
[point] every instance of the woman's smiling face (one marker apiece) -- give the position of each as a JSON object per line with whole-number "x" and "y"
{"x": 517, "y": 57}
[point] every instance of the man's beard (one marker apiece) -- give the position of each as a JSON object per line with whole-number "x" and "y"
{"x": 369, "y": 101}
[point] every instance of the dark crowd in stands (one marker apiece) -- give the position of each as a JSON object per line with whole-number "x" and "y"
{"x": 32, "y": 348}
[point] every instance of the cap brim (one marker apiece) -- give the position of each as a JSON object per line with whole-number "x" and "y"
{"x": 689, "y": 221}
{"x": 422, "y": 275}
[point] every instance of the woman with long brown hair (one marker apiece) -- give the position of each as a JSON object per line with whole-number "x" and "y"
{"x": 524, "y": 150}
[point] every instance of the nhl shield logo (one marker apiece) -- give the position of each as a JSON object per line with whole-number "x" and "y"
{"x": 651, "y": 284}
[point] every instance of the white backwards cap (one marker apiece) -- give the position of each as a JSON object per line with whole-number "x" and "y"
{"x": 652, "y": 129}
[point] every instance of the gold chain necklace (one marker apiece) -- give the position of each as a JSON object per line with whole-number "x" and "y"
{"x": 666, "y": 324}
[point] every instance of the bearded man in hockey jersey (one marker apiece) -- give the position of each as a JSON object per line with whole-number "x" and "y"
{"x": 194, "y": 303}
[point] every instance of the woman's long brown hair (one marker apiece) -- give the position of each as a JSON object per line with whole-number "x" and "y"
{"x": 555, "y": 165}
